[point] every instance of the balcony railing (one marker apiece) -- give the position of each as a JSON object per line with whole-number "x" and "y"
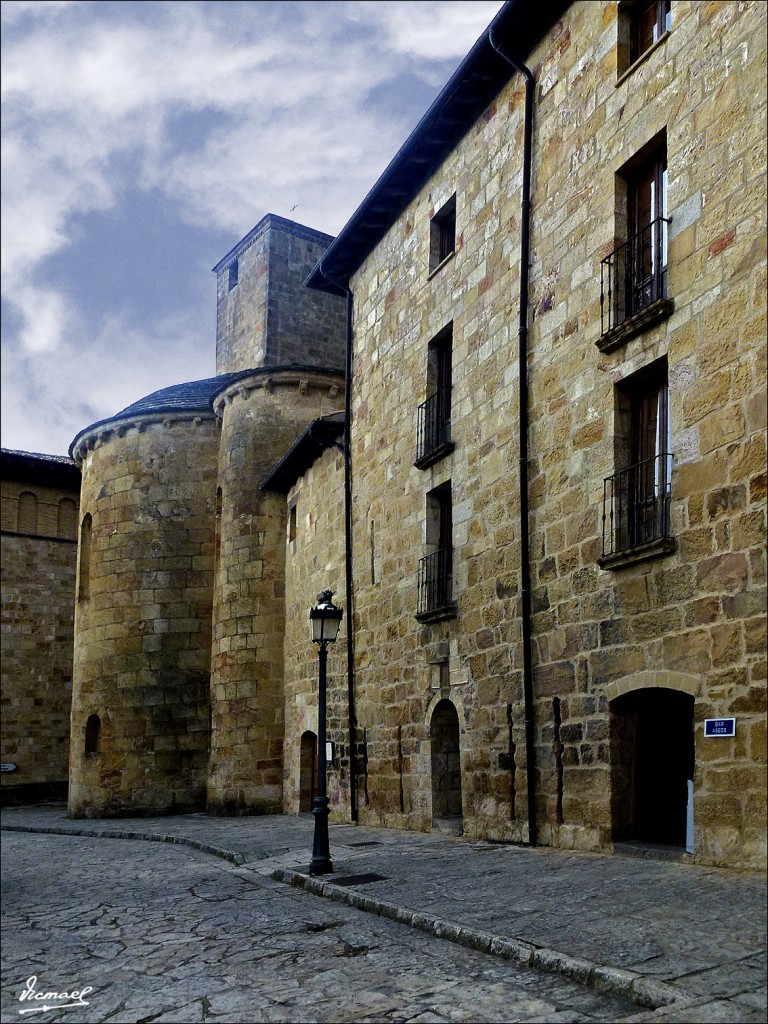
{"x": 636, "y": 505}
{"x": 634, "y": 276}
{"x": 433, "y": 432}
{"x": 435, "y": 582}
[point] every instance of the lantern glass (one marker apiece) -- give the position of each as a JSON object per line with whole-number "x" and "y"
{"x": 325, "y": 619}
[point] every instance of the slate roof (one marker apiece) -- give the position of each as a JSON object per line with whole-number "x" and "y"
{"x": 519, "y": 26}
{"x": 193, "y": 396}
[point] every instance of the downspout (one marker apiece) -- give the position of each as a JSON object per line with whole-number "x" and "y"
{"x": 348, "y": 544}
{"x": 525, "y": 555}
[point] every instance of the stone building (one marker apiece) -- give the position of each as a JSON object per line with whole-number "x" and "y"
{"x": 543, "y": 507}
{"x": 38, "y": 525}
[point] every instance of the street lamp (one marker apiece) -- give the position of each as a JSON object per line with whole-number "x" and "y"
{"x": 325, "y": 619}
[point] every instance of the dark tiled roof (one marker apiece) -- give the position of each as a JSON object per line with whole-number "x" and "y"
{"x": 34, "y": 467}
{"x": 519, "y": 26}
{"x": 194, "y": 396}
{"x": 320, "y": 434}
{"x": 271, "y": 220}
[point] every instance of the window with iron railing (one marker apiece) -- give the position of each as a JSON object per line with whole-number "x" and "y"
{"x": 636, "y": 505}
{"x": 435, "y": 570}
{"x": 435, "y": 582}
{"x": 637, "y": 499}
{"x": 634, "y": 275}
{"x": 433, "y": 428}
{"x": 633, "y": 278}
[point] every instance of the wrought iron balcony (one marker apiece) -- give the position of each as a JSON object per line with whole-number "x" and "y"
{"x": 633, "y": 277}
{"x": 636, "y": 508}
{"x": 433, "y": 437}
{"x": 435, "y": 597}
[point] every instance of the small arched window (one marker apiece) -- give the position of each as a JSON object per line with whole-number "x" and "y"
{"x": 84, "y": 585}
{"x": 93, "y": 735}
{"x": 27, "y": 521}
{"x": 66, "y": 521}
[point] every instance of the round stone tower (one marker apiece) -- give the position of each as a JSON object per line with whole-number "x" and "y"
{"x": 262, "y": 414}
{"x": 140, "y": 708}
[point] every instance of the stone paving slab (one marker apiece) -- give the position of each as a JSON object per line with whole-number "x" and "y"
{"x": 695, "y": 933}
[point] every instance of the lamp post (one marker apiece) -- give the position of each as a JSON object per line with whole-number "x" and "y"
{"x": 325, "y": 619}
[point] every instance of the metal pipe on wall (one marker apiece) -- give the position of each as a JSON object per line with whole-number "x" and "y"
{"x": 525, "y": 556}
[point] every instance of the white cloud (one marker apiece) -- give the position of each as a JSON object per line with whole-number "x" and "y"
{"x": 14, "y": 10}
{"x": 430, "y": 30}
{"x": 90, "y": 381}
{"x": 98, "y": 101}
{"x": 46, "y": 318}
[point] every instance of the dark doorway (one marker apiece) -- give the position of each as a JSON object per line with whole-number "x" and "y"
{"x": 308, "y": 771}
{"x": 652, "y": 758}
{"x": 446, "y": 762}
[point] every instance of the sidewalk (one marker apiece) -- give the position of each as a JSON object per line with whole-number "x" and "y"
{"x": 688, "y": 943}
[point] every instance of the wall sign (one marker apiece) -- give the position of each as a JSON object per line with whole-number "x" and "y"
{"x": 719, "y": 726}
{"x": 7, "y": 766}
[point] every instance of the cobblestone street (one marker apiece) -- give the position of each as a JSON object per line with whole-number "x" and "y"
{"x": 167, "y": 933}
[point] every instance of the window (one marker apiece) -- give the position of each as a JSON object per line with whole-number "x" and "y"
{"x": 633, "y": 285}
{"x": 27, "y": 514}
{"x": 93, "y": 735}
{"x": 637, "y": 499}
{"x": 648, "y": 21}
{"x": 66, "y": 519}
{"x": 233, "y": 273}
{"x": 442, "y": 234}
{"x": 292, "y": 521}
{"x": 84, "y": 585}
{"x": 433, "y": 437}
{"x": 642, "y": 23}
{"x": 435, "y": 579}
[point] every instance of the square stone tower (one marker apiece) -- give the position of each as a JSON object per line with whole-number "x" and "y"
{"x": 264, "y": 314}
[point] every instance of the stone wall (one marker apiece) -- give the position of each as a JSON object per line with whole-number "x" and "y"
{"x": 315, "y": 561}
{"x": 37, "y": 610}
{"x": 38, "y": 511}
{"x": 261, "y": 417}
{"x": 143, "y": 618}
{"x": 690, "y": 620}
{"x": 264, "y": 314}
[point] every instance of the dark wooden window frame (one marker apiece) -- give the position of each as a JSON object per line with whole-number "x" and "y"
{"x": 442, "y": 235}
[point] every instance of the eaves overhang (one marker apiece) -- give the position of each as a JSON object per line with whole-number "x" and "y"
{"x": 36, "y": 468}
{"x": 321, "y": 434}
{"x": 518, "y": 27}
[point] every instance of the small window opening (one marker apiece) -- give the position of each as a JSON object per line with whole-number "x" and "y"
{"x": 233, "y": 273}
{"x": 93, "y": 735}
{"x": 84, "y": 584}
{"x": 292, "y": 522}
{"x": 442, "y": 234}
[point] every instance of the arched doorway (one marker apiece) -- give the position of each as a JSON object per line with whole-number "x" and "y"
{"x": 308, "y": 771}
{"x": 446, "y": 762}
{"x": 652, "y": 759}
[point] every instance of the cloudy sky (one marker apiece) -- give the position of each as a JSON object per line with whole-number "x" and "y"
{"x": 141, "y": 141}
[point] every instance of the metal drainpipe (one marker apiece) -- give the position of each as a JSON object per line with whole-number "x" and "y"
{"x": 348, "y": 544}
{"x": 525, "y": 557}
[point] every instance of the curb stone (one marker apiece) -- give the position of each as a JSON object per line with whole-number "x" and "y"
{"x": 643, "y": 991}
{"x": 152, "y": 837}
